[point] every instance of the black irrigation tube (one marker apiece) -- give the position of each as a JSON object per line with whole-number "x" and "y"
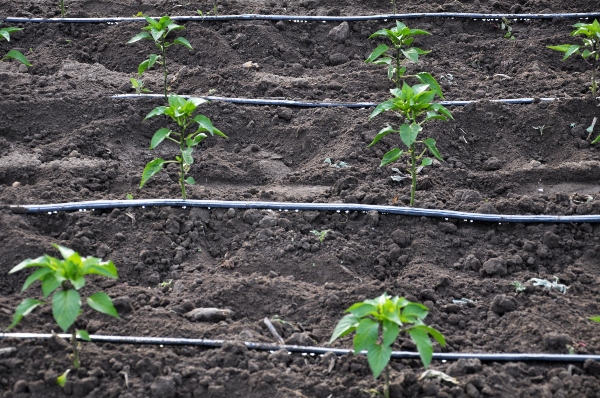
{"x": 285, "y": 206}
{"x": 322, "y": 18}
{"x": 310, "y": 104}
{"x": 441, "y": 356}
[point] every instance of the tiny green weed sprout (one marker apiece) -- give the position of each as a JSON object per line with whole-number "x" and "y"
{"x": 377, "y": 323}
{"x": 320, "y": 234}
{"x": 505, "y": 25}
{"x": 158, "y": 31}
{"x": 138, "y": 86}
{"x": 519, "y": 287}
{"x": 590, "y": 48}
{"x": 68, "y": 275}
{"x": 541, "y": 129}
{"x": 414, "y": 105}
{"x": 401, "y": 37}
{"x": 12, "y": 54}
{"x": 181, "y": 111}
{"x": 595, "y": 319}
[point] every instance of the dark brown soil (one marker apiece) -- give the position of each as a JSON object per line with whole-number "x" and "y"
{"x": 62, "y": 138}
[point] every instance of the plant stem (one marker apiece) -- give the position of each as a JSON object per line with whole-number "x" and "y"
{"x": 75, "y": 350}
{"x": 413, "y": 174}
{"x": 386, "y": 376}
{"x": 594, "y": 59}
{"x": 394, "y": 6}
{"x": 181, "y": 163}
{"x": 62, "y": 8}
{"x": 397, "y": 66}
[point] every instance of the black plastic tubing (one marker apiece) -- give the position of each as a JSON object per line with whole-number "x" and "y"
{"x": 309, "y": 349}
{"x": 285, "y": 206}
{"x": 298, "y": 18}
{"x": 311, "y": 104}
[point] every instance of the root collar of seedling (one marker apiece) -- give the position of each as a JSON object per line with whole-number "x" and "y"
{"x": 311, "y": 104}
{"x": 441, "y": 356}
{"x": 285, "y": 206}
{"x": 307, "y": 18}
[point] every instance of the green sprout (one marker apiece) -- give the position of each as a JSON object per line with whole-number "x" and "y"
{"x": 590, "y": 47}
{"x": 181, "y": 111}
{"x": 68, "y": 275}
{"x": 401, "y": 38}
{"x": 595, "y": 319}
{"x": 505, "y": 25}
{"x": 158, "y": 32}
{"x": 12, "y": 54}
{"x": 377, "y": 323}
{"x": 320, "y": 234}
{"x": 519, "y": 287}
{"x": 412, "y": 103}
{"x": 61, "y": 5}
{"x": 138, "y": 86}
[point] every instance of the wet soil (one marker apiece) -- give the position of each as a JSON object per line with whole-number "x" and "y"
{"x": 63, "y": 138}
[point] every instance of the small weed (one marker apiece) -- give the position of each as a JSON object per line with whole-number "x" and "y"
{"x": 590, "y": 48}
{"x": 168, "y": 283}
{"x": 320, "y": 234}
{"x": 12, "y": 54}
{"x": 595, "y": 319}
{"x": 377, "y": 323}
{"x": 138, "y": 86}
{"x": 129, "y": 196}
{"x": 181, "y": 111}
{"x": 158, "y": 31}
{"x": 519, "y": 287}
{"x": 541, "y": 129}
{"x": 505, "y": 25}
{"x": 68, "y": 275}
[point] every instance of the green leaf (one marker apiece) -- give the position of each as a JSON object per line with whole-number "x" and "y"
{"x": 379, "y": 50}
{"x": 152, "y": 22}
{"x": 409, "y": 133}
{"x": 430, "y": 144}
{"x": 101, "y": 302}
{"x": 190, "y": 180}
{"x": 596, "y": 140}
{"x": 383, "y": 107}
{"x": 187, "y": 156}
{"x": 366, "y": 336}
{"x": 65, "y": 307}
{"x": 183, "y": 41}
{"x": 14, "y": 54}
{"x": 426, "y": 162}
{"x": 345, "y": 326}
{"x": 382, "y": 133}
{"x": 62, "y": 379}
{"x": 595, "y": 319}
{"x": 151, "y": 169}
{"x": 37, "y": 275}
{"x": 391, "y": 156}
{"x": 360, "y": 310}
{"x": 436, "y": 335}
{"x": 391, "y": 330}
{"x": 378, "y": 358}
{"x": 159, "y": 110}
{"x": 29, "y": 263}
{"x": 24, "y": 309}
{"x": 411, "y": 54}
{"x": 563, "y": 48}
{"x": 83, "y": 335}
{"x": 140, "y": 36}
{"x": 50, "y": 284}
{"x": 159, "y": 137}
{"x": 416, "y": 310}
{"x": 196, "y": 140}
{"x": 65, "y": 252}
{"x": 107, "y": 269}
{"x": 420, "y": 337}
{"x": 426, "y": 78}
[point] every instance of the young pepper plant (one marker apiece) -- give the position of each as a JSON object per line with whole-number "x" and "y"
{"x": 414, "y": 104}
{"x": 12, "y": 54}
{"x": 589, "y": 49}
{"x": 158, "y": 31}
{"x": 378, "y": 322}
{"x": 401, "y": 38}
{"x": 68, "y": 275}
{"x": 181, "y": 111}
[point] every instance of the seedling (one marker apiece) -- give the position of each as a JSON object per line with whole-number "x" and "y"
{"x": 377, "y": 323}
{"x": 541, "y": 129}
{"x": 181, "y": 111}
{"x": 61, "y": 4}
{"x": 13, "y": 54}
{"x": 158, "y": 31}
{"x": 590, "y": 47}
{"x": 320, "y": 234}
{"x": 414, "y": 105}
{"x": 68, "y": 275}
{"x": 138, "y": 86}
{"x": 595, "y": 319}
{"x": 505, "y": 25}
{"x": 401, "y": 37}
{"x": 519, "y": 287}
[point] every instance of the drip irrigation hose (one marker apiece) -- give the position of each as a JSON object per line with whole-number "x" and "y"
{"x": 285, "y": 206}
{"x": 309, "y": 104}
{"x": 299, "y": 18}
{"x": 308, "y": 349}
